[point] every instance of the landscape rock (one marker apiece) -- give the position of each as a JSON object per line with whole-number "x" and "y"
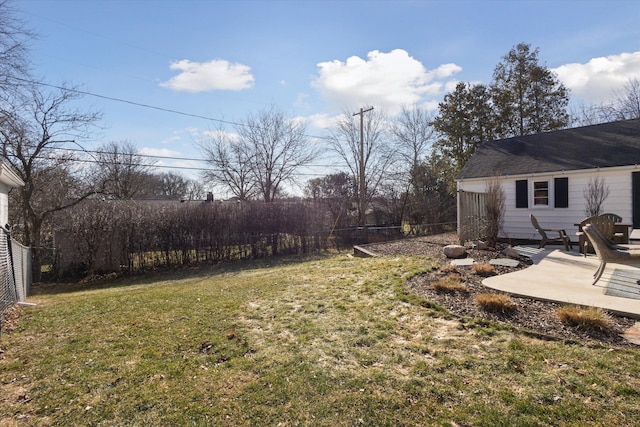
{"x": 479, "y": 245}
{"x": 454, "y": 251}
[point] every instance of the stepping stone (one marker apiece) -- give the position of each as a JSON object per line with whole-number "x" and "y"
{"x": 527, "y": 251}
{"x": 505, "y": 262}
{"x": 462, "y": 262}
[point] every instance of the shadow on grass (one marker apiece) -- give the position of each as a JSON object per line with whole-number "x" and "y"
{"x": 182, "y": 273}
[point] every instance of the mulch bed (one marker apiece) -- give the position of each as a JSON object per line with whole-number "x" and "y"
{"x": 533, "y": 316}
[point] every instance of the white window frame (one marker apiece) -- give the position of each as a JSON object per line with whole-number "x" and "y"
{"x": 549, "y": 197}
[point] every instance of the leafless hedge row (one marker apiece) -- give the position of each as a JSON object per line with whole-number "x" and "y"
{"x": 141, "y": 236}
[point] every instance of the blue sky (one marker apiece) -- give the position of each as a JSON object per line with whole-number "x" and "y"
{"x": 313, "y": 59}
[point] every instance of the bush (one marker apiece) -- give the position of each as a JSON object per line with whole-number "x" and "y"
{"x": 495, "y": 303}
{"x": 483, "y": 269}
{"x": 587, "y": 318}
{"x": 448, "y": 268}
{"x": 451, "y": 283}
{"x": 495, "y": 207}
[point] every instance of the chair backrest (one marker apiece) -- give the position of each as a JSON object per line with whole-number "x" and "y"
{"x": 604, "y": 224}
{"x": 600, "y": 245}
{"x": 596, "y": 239}
{"x": 539, "y": 229}
{"x": 613, "y": 217}
{"x": 612, "y": 245}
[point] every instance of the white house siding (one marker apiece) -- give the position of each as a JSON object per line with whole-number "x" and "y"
{"x": 516, "y": 220}
{"x": 4, "y": 204}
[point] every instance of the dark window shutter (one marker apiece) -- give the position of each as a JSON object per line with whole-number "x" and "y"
{"x": 561, "y": 186}
{"x": 522, "y": 198}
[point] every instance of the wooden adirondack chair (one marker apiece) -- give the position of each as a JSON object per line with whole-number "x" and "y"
{"x": 606, "y": 254}
{"x": 562, "y": 235}
{"x": 604, "y": 224}
{"x": 618, "y": 237}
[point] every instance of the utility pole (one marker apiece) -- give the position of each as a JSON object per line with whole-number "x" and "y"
{"x": 362, "y": 185}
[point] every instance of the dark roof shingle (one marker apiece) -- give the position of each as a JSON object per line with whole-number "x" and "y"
{"x": 598, "y": 146}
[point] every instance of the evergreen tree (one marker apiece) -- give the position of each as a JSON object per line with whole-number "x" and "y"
{"x": 527, "y": 97}
{"x": 465, "y": 119}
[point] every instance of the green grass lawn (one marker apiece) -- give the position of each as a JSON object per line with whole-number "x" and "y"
{"x": 332, "y": 341}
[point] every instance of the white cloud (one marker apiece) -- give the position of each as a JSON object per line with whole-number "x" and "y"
{"x": 596, "y": 80}
{"x": 388, "y": 80}
{"x": 217, "y": 74}
{"x": 323, "y": 121}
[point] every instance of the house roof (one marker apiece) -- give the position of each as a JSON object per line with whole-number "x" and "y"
{"x": 9, "y": 177}
{"x": 589, "y": 147}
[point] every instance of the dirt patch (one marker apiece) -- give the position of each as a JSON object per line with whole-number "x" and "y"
{"x": 530, "y": 315}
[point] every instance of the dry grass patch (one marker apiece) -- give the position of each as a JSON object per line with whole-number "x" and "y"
{"x": 448, "y": 268}
{"x": 484, "y": 269}
{"x": 451, "y": 283}
{"x": 495, "y": 303}
{"x": 334, "y": 341}
{"x": 587, "y": 318}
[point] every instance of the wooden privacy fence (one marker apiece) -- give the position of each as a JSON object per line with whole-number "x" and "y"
{"x": 473, "y": 215}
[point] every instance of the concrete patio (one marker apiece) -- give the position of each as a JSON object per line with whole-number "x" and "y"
{"x": 566, "y": 276}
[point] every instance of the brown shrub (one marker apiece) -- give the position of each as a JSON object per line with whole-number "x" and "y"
{"x": 587, "y": 318}
{"x": 495, "y": 303}
{"x": 450, "y": 283}
{"x": 448, "y": 268}
{"x": 485, "y": 269}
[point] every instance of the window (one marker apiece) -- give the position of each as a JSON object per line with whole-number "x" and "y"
{"x": 541, "y": 193}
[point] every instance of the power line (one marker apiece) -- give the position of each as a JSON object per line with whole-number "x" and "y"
{"x": 125, "y": 101}
{"x": 145, "y": 165}
{"x": 150, "y": 156}
{"x": 139, "y": 104}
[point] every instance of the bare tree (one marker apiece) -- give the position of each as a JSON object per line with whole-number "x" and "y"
{"x": 264, "y": 153}
{"x": 414, "y": 133}
{"x": 377, "y": 157}
{"x": 231, "y": 161}
{"x": 626, "y": 102}
{"x": 625, "y": 105}
{"x": 595, "y": 193}
{"x": 32, "y": 137}
{"x": 195, "y": 190}
{"x": 14, "y": 38}
{"x": 277, "y": 148}
{"x": 587, "y": 115}
{"x": 122, "y": 172}
{"x": 174, "y": 185}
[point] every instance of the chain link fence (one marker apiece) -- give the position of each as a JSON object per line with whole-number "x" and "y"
{"x": 15, "y": 271}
